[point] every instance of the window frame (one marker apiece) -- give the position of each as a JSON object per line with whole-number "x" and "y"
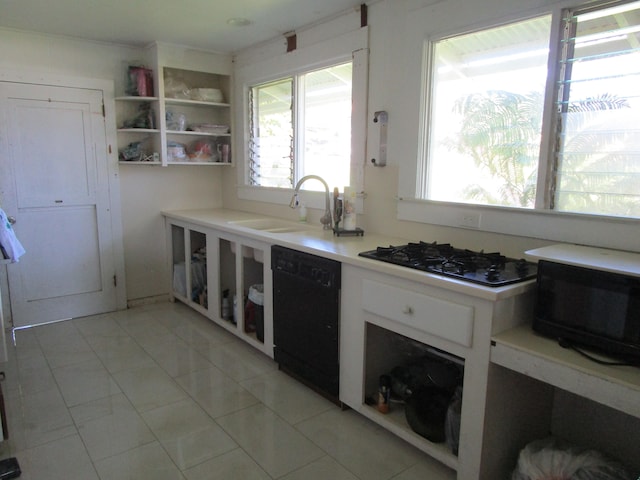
{"x": 539, "y": 222}
{"x": 351, "y": 46}
{"x": 251, "y": 119}
{"x": 299, "y": 161}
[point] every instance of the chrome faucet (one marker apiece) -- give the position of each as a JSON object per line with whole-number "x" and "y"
{"x": 326, "y": 220}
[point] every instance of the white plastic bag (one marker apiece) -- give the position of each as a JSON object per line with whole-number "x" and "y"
{"x": 452, "y": 422}
{"x": 551, "y": 459}
{"x": 8, "y": 240}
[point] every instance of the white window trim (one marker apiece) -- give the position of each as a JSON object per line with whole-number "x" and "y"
{"x": 595, "y": 230}
{"x": 352, "y": 46}
{"x": 609, "y": 232}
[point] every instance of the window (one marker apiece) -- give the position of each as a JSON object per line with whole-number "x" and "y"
{"x": 281, "y": 100}
{"x": 271, "y": 145}
{"x": 301, "y": 125}
{"x": 486, "y": 121}
{"x": 597, "y": 161}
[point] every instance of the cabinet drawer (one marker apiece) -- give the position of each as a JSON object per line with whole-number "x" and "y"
{"x": 447, "y": 320}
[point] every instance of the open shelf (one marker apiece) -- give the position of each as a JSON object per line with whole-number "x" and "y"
{"x": 138, "y": 130}
{"x": 194, "y": 103}
{"x": 395, "y": 421}
{"x": 522, "y": 350}
{"x": 132, "y": 98}
{"x": 192, "y": 163}
{"x": 161, "y": 115}
{"x": 124, "y": 162}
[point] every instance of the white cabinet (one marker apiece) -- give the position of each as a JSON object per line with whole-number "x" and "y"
{"x": 420, "y": 311}
{"x": 244, "y": 265}
{"x": 196, "y": 117}
{"x": 188, "y": 122}
{"x": 380, "y": 313}
{"x": 190, "y": 265}
{"x": 539, "y": 388}
{"x": 213, "y": 273}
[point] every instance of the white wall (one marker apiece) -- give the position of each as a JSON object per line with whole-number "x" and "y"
{"x": 145, "y": 190}
{"x": 144, "y": 195}
{"x": 398, "y": 30}
{"x": 394, "y": 85}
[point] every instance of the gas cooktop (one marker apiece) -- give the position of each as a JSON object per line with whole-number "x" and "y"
{"x": 488, "y": 269}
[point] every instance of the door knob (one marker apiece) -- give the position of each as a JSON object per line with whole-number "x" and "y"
{"x": 11, "y": 219}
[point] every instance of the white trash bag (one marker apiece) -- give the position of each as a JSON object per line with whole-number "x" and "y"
{"x": 551, "y": 459}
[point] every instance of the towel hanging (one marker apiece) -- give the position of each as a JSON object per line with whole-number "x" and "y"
{"x": 9, "y": 243}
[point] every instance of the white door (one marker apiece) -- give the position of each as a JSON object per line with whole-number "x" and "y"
{"x": 54, "y": 182}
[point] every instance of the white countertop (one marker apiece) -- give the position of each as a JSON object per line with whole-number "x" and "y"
{"x": 616, "y": 261}
{"x": 313, "y": 239}
{"x": 539, "y": 357}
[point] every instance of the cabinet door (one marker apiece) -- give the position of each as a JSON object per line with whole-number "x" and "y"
{"x": 189, "y": 267}
{"x": 197, "y": 251}
{"x": 177, "y": 256}
{"x": 227, "y": 310}
{"x": 244, "y": 289}
{"x": 223, "y": 277}
{"x": 252, "y": 287}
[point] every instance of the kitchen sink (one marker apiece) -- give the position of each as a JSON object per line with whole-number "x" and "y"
{"x": 284, "y": 229}
{"x": 272, "y": 225}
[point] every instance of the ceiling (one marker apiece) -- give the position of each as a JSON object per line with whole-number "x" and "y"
{"x": 196, "y": 23}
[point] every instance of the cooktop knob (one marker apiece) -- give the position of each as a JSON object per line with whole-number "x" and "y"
{"x": 522, "y": 267}
{"x": 493, "y": 273}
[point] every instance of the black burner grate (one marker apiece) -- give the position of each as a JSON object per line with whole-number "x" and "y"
{"x": 491, "y": 269}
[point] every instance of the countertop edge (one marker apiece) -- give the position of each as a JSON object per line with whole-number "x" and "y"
{"x": 345, "y": 249}
{"x": 615, "y": 261}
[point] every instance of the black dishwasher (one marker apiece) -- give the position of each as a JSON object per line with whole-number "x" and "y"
{"x": 306, "y": 302}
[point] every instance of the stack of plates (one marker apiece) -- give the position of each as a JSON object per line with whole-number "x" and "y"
{"x": 209, "y": 128}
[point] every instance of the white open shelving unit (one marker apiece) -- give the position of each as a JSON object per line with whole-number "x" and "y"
{"x": 170, "y": 64}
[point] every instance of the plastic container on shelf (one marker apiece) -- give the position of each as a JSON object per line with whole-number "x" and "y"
{"x": 176, "y": 121}
{"x": 254, "y": 312}
{"x": 176, "y": 152}
{"x": 139, "y": 81}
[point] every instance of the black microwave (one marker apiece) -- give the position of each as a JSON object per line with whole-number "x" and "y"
{"x": 588, "y": 307}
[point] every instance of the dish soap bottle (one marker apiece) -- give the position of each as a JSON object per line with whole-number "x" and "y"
{"x": 302, "y": 213}
{"x": 384, "y": 393}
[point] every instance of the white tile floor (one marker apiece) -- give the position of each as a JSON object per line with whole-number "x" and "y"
{"x": 159, "y": 392}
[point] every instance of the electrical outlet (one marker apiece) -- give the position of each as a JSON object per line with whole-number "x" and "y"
{"x": 469, "y": 220}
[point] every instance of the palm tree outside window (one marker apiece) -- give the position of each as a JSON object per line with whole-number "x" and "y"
{"x": 486, "y": 119}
